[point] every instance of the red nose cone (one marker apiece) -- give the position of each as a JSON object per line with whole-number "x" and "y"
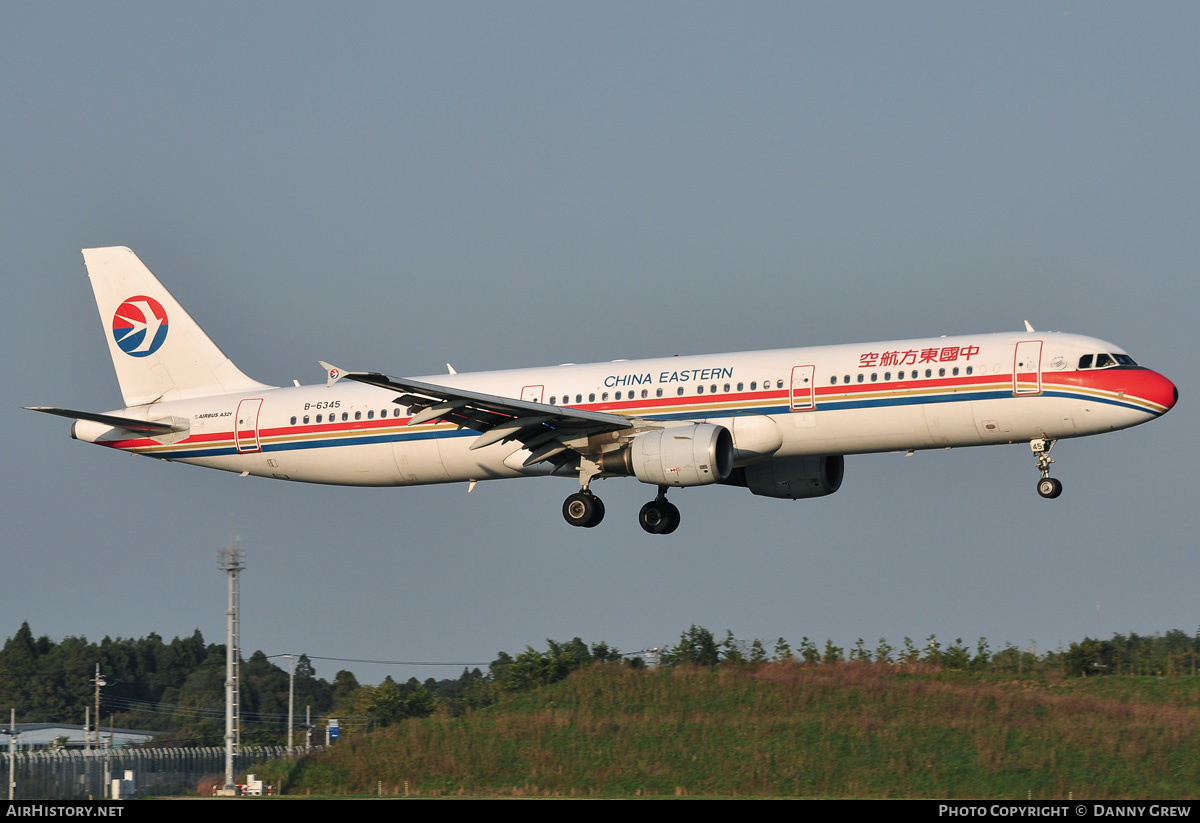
{"x": 1160, "y": 390}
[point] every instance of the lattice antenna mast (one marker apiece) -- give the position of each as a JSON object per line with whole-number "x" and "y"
{"x": 232, "y": 560}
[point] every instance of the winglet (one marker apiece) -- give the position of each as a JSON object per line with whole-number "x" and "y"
{"x": 1027, "y": 326}
{"x": 332, "y": 373}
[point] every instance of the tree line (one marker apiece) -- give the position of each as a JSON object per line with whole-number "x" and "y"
{"x": 1172, "y": 654}
{"x": 177, "y": 687}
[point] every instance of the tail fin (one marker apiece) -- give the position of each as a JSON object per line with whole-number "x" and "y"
{"x": 157, "y": 349}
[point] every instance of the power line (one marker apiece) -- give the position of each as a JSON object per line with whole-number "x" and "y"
{"x": 386, "y": 662}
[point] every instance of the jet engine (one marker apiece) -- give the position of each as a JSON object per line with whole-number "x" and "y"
{"x": 693, "y": 455}
{"x": 792, "y": 478}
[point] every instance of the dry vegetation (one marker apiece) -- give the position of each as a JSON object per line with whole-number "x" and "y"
{"x": 787, "y": 729}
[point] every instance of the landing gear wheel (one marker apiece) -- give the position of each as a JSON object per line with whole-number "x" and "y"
{"x": 1049, "y": 487}
{"x": 659, "y": 517}
{"x": 672, "y": 520}
{"x": 583, "y": 509}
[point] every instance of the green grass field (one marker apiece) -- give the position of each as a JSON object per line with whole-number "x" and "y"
{"x": 779, "y": 729}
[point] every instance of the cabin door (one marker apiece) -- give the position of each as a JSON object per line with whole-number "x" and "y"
{"x": 803, "y": 397}
{"x": 246, "y": 429}
{"x": 1027, "y": 368}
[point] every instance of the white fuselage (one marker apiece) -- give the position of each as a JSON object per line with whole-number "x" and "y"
{"x": 830, "y": 400}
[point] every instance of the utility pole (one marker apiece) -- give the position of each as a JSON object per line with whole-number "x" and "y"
{"x": 291, "y": 699}
{"x": 97, "y": 682}
{"x": 232, "y": 560}
{"x": 12, "y": 756}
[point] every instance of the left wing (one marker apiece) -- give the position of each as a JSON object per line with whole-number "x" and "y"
{"x": 546, "y": 431}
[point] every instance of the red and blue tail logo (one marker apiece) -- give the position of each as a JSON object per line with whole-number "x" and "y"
{"x": 140, "y": 326}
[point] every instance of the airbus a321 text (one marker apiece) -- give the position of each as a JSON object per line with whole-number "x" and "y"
{"x": 778, "y": 423}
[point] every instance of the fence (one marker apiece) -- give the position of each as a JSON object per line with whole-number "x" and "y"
{"x": 80, "y": 775}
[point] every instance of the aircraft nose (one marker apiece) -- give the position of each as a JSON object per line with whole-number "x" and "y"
{"x": 1162, "y": 391}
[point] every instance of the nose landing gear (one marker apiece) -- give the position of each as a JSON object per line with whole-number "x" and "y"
{"x": 1048, "y": 487}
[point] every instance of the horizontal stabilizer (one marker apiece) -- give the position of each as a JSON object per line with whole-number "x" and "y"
{"x": 128, "y": 423}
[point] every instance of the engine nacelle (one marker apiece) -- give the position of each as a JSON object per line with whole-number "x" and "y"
{"x": 792, "y": 478}
{"x": 692, "y": 455}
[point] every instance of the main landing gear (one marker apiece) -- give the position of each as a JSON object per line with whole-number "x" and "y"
{"x": 659, "y": 516}
{"x": 583, "y": 509}
{"x": 586, "y": 510}
{"x": 1048, "y": 487}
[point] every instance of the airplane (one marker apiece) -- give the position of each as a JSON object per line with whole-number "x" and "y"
{"x": 778, "y": 423}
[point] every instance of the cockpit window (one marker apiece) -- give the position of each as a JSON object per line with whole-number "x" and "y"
{"x": 1104, "y": 360}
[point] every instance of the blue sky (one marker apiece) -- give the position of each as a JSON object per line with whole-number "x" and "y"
{"x": 394, "y": 186}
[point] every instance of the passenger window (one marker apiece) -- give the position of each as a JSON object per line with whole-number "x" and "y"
{"x": 699, "y": 390}
{"x": 779, "y": 384}
{"x": 293, "y": 421}
{"x": 739, "y": 386}
{"x": 645, "y": 394}
{"x": 955, "y": 371}
{"x": 874, "y": 376}
{"x": 592, "y": 397}
{"x": 345, "y": 416}
{"x": 358, "y": 415}
{"x": 754, "y": 384}
{"x": 306, "y": 419}
{"x": 860, "y": 377}
{"x": 370, "y": 414}
{"x": 726, "y": 387}
{"x": 887, "y": 375}
{"x": 618, "y": 396}
{"x": 604, "y": 396}
{"x": 318, "y": 418}
{"x": 552, "y": 399}
{"x": 658, "y": 392}
{"x": 846, "y": 378}
{"x": 713, "y": 388}
{"x": 679, "y": 391}
{"x": 970, "y": 369}
{"x": 929, "y": 372}
{"x": 941, "y": 372}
